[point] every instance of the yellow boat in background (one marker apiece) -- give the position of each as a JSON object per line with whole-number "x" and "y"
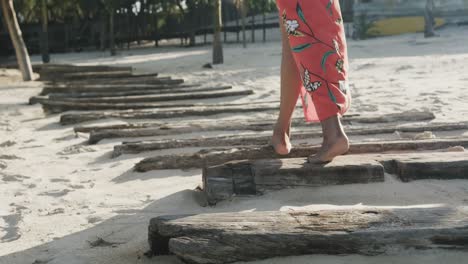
{"x": 400, "y": 25}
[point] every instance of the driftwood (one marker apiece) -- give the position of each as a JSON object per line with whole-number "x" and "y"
{"x": 248, "y": 177}
{"x": 252, "y": 177}
{"x": 248, "y": 124}
{"x": 246, "y": 140}
{"x": 222, "y": 155}
{"x": 156, "y": 98}
{"x": 248, "y": 236}
{"x": 109, "y": 88}
{"x": 135, "y": 91}
{"x": 75, "y": 118}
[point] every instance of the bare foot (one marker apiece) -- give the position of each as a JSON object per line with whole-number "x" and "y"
{"x": 281, "y": 143}
{"x": 331, "y": 149}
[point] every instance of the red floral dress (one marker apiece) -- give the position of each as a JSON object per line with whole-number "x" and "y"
{"x": 317, "y": 39}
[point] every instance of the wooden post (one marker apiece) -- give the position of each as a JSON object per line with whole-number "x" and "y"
{"x": 264, "y": 21}
{"x": 429, "y": 19}
{"x": 217, "y": 45}
{"x": 44, "y": 33}
{"x": 14, "y": 30}
{"x": 111, "y": 32}
{"x": 243, "y": 13}
{"x": 253, "y": 27}
{"x": 237, "y": 25}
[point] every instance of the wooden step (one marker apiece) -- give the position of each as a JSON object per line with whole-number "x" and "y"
{"x": 103, "y": 75}
{"x": 156, "y": 97}
{"x": 253, "y": 177}
{"x": 232, "y": 237}
{"x": 246, "y": 140}
{"x": 222, "y": 155}
{"x": 133, "y": 80}
{"x": 75, "y": 118}
{"x": 109, "y": 88}
{"x": 134, "y": 91}
{"x": 250, "y": 124}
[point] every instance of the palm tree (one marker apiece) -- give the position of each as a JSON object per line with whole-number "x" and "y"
{"x": 16, "y": 37}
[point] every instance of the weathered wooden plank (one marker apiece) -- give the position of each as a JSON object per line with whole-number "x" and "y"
{"x": 252, "y": 177}
{"x": 103, "y": 75}
{"x": 157, "y": 97}
{"x": 441, "y": 166}
{"x": 248, "y": 124}
{"x": 248, "y": 236}
{"x": 222, "y": 155}
{"x": 75, "y": 118}
{"x": 136, "y": 91}
{"x": 245, "y": 140}
{"x": 134, "y": 80}
{"x": 109, "y": 88}
{"x": 61, "y": 68}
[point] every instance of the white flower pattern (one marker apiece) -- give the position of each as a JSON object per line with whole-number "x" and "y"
{"x": 308, "y": 85}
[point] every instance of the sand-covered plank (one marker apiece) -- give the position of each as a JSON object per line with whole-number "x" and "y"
{"x": 248, "y": 124}
{"x": 75, "y": 118}
{"x": 222, "y": 155}
{"x": 441, "y": 166}
{"x": 249, "y": 236}
{"x": 252, "y": 177}
{"x": 104, "y": 75}
{"x": 109, "y": 88}
{"x": 158, "y": 97}
{"x": 245, "y": 140}
{"x": 135, "y": 91}
{"x": 133, "y": 80}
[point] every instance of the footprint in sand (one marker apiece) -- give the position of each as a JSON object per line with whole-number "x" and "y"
{"x": 3, "y": 165}
{"x": 10, "y": 157}
{"x": 59, "y": 180}
{"x": 13, "y": 177}
{"x": 8, "y": 143}
{"x": 76, "y": 149}
{"x": 56, "y": 193}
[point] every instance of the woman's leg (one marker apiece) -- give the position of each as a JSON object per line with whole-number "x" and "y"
{"x": 290, "y": 90}
{"x": 335, "y": 142}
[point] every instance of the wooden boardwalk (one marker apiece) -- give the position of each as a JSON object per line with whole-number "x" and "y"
{"x": 407, "y": 146}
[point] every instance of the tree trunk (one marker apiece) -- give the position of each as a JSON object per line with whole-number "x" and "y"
{"x": 253, "y": 28}
{"x": 45, "y": 33}
{"x": 217, "y": 45}
{"x": 237, "y": 26}
{"x": 103, "y": 31}
{"x": 264, "y": 28}
{"x": 16, "y": 37}
{"x": 244, "y": 37}
{"x": 429, "y": 19}
{"x": 111, "y": 33}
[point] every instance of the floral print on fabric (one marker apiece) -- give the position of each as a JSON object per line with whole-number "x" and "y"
{"x": 316, "y": 37}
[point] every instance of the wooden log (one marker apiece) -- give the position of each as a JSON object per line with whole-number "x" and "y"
{"x": 134, "y": 80}
{"x": 69, "y": 68}
{"x": 222, "y": 155}
{"x": 248, "y": 236}
{"x": 104, "y": 74}
{"x": 109, "y": 88}
{"x": 441, "y": 166}
{"x": 246, "y": 140}
{"x": 75, "y": 118}
{"x": 157, "y": 97}
{"x": 252, "y": 125}
{"x": 253, "y": 177}
{"x": 134, "y": 92}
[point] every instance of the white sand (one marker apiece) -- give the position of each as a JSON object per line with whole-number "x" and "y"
{"x": 60, "y": 193}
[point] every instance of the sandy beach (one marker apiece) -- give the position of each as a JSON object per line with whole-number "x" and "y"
{"x": 64, "y": 201}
